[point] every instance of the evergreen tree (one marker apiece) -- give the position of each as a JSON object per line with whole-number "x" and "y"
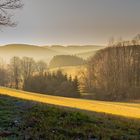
{"x": 76, "y": 85}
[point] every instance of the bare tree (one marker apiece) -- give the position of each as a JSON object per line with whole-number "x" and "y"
{"x": 3, "y": 73}
{"x": 27, "y": 68}
{"x": 114, "y": 72}
{"x": 111, "y": 42}
{"x": 41, "y": 67}
{"x": 15, "y": 67}
{"x": 136, "y": 39}
{"x": 5, "y": 7}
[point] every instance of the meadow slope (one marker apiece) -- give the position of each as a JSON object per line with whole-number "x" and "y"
{"x": 131, "y": 110}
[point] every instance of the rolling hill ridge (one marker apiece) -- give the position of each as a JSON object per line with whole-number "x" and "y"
{"x": 45, "y": 53}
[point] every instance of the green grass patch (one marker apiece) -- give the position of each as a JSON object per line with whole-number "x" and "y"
{"x": 42, "y": 122}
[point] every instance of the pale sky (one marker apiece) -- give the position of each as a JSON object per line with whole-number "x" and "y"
{"x": 65, "y": 22}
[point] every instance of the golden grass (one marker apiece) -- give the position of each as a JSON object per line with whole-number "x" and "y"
{"x": 131, "y": 110}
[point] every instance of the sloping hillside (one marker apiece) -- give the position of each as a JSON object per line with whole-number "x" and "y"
{"x": 75, "y": 49}
{"x": 24, "y": 120}
{"x": 65, "y": 60}
{"x": 131, "y": 110}
{"x": 8, "y": 51}
{"x": 43, "y": 52}
{"x": 87, "y": 54}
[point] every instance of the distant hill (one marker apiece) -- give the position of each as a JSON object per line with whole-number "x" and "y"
{"x": 46, "y": 53}
{"x": 75, "y": 49}
{"x": 86, "y": 54}
{"x": 65, "y": 60}
{"x": 21, "y": 50}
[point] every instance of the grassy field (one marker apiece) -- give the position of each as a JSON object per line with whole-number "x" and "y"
{"x": 27, "y": 120}
{"x": 129, "y": 110}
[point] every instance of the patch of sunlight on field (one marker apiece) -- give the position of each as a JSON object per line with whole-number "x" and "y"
{"x": 122, "y": 109}
{"x": 70, "y": 70}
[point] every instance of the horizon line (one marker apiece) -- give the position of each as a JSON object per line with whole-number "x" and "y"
{"x": 50, "y": 45}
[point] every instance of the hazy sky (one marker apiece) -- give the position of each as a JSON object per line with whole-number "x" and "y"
{"x": 65, "y": 22}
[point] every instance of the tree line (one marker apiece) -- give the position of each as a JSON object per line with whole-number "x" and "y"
{"x": 113, "y": 73}
{"x": 66, "y": 60}
{"x": 30, "y": 75}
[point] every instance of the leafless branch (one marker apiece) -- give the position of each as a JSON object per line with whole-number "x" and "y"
{"x": 5, "y": 6}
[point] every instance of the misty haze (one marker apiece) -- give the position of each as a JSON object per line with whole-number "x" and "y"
{"x": 69, "y": 70}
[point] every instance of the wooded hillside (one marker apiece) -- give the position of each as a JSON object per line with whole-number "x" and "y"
{"x": 114, "y": 73}
{"x": 65, "y": 60}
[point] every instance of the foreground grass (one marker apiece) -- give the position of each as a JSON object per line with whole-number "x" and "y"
{"x": 131, "y": 110}
{"x": 26, "y": 120}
